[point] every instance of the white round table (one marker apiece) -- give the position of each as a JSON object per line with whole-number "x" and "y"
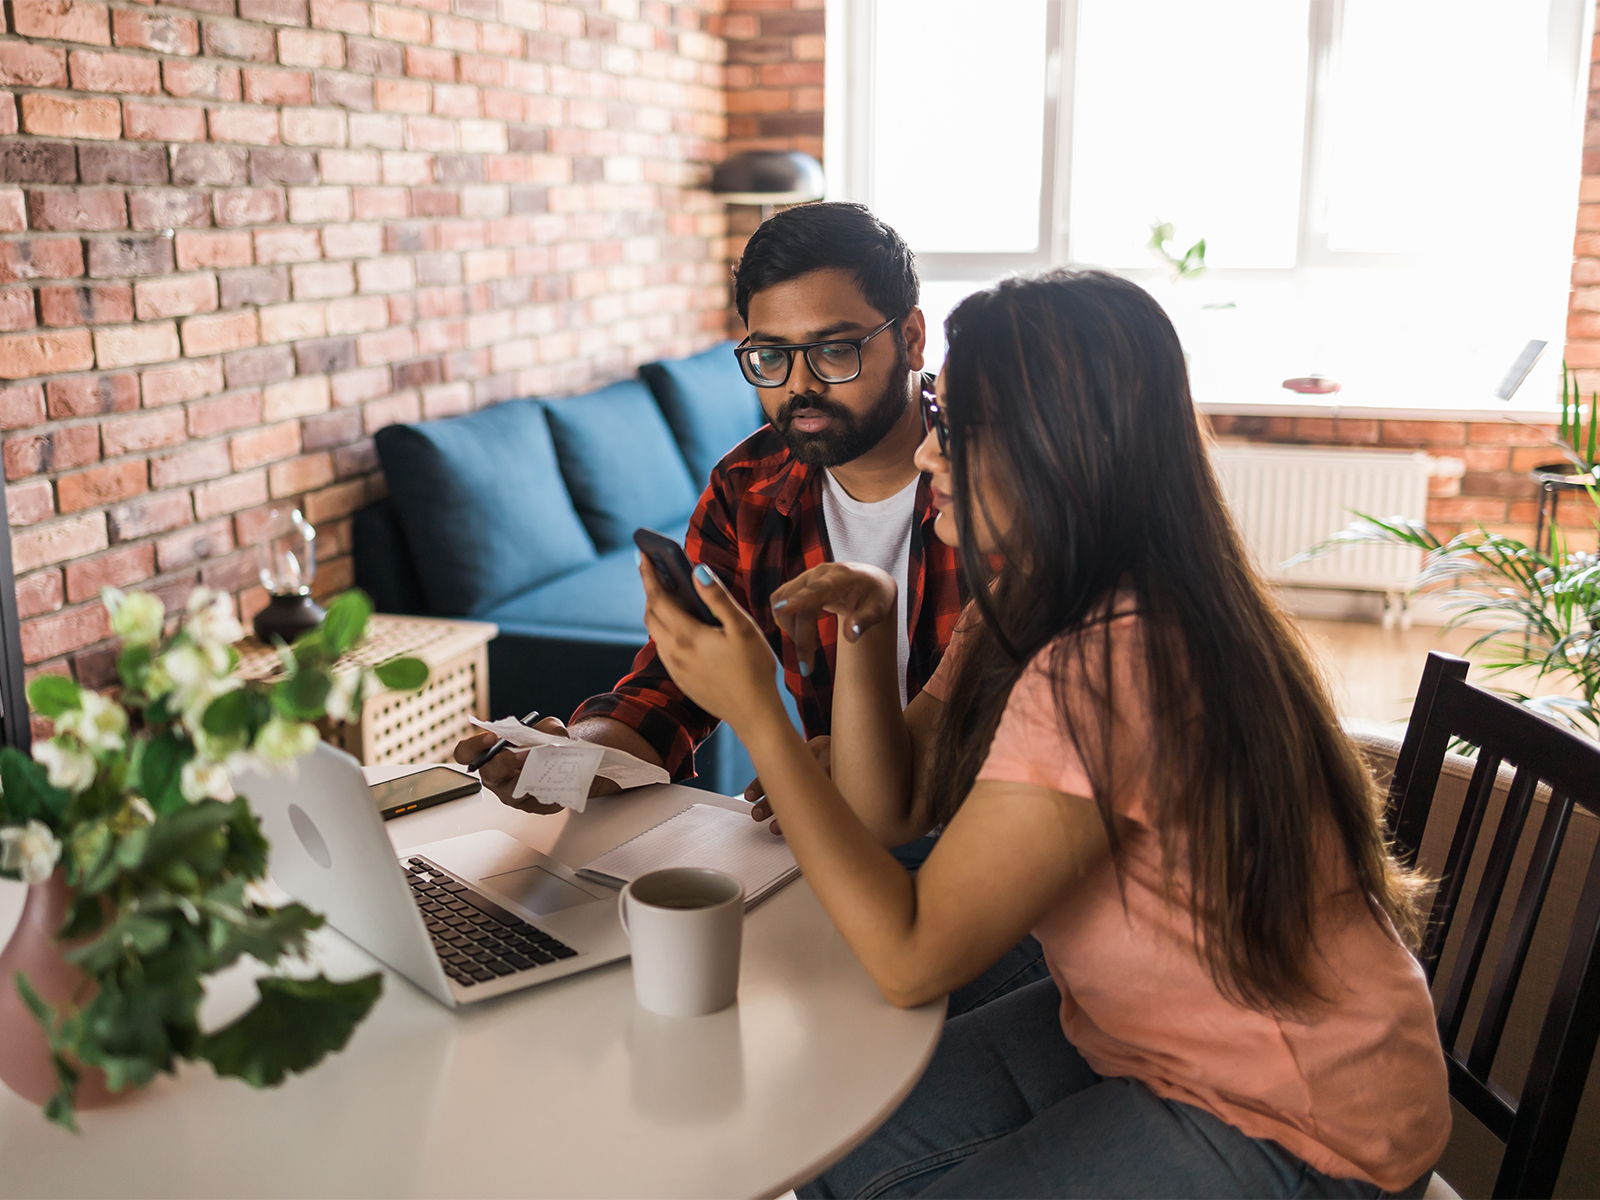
{"x": 568, "y": 1089}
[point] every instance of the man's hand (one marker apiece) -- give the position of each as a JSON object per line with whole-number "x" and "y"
{"x": 757, "y": 795}
{"x": 500, "y": 773}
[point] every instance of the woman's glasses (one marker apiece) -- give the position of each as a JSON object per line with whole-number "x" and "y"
{"x": 934, "y": 418}
{"x": 837, "y": 361}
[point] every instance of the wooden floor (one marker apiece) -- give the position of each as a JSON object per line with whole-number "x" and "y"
{"x": 1374, "y": 671}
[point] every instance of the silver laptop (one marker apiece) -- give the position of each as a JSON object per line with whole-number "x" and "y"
{"x": 464, "y": 919}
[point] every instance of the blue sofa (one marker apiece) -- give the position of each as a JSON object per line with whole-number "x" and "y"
{"x": 523, "y": 514}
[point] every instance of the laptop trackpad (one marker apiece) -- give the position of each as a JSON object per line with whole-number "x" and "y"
{"x": 537, "y": 890}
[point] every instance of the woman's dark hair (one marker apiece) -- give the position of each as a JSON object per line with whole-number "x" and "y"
{"x": 1072, "y": 388}
{"x": 838, "y": 234}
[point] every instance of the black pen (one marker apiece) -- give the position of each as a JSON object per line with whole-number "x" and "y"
{"x": 482, "y": 760}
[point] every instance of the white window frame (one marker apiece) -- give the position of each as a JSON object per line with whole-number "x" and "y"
{"x": 848, "y": 154}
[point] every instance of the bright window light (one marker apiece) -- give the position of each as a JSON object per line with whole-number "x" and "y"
{"x": 958, "y": 123}
{"x": 1192, "y": 114}
{"x": 1425, "y": 146}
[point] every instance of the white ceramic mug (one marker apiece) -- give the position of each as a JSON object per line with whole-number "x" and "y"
{"x": 686, "y": 925}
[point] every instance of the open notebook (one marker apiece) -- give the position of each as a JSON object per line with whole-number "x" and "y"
{"x": 703, "y": 836}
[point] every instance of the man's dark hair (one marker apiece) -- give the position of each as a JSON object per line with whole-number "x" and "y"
{"x": 814, "y": 237}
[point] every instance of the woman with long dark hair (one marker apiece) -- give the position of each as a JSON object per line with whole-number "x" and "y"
{"x": 1132, "y": 756}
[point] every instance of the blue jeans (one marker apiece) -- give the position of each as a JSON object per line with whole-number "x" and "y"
{"x": 1009, "y": 1108}
{"x": 1019, "y": 966}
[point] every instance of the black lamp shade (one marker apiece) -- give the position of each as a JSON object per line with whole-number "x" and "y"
{"x": 768, "y": 177}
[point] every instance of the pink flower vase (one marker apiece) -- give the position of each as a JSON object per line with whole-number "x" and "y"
{"x": 25, "y": 1065}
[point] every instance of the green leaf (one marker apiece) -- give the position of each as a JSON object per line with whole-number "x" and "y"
{"x": 303, "y": 695}
{"x": 291, "y": 1028}
{"x": 59, "y": 1109}
{"x": 265, "y": 936}
{"x": 132, "y": 933}
{"x": 27, "y": 794}
{"x": 402, "y": 674}
{"x": 85, "y": 918}
{"x": 41, "y": 1011}
{"x": 52, "y": 695}
{"x": 188, "y": 840}
{"x": 346, "y": 622}
{"x": 161, "y": 770}
{"x": 89, "y": 848}
{"x": 132, "y": 664}
{"x": 228, "y": 715}
{"x": 247, "y": 846}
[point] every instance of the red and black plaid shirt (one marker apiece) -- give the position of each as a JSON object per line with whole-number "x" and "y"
{"x": 759, "y": 525}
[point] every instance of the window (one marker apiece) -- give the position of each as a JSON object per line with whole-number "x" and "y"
{"x": 1386, "y": 189}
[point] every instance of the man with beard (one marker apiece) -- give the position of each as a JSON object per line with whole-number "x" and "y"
{"x": 828, "y": 294}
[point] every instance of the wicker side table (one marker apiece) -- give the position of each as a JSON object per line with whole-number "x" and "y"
{"x": 407, "y": 727}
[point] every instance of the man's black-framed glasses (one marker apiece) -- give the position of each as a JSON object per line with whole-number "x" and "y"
{"x": 835, "y": 361}
{"x": 934, "y": 418}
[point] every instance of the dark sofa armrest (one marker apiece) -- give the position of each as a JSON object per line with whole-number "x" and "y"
{"x": 384, "y": 567}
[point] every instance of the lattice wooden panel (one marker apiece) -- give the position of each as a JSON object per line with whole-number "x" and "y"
{"x": 407, "y": 727}
{"x": 415, "y": 727}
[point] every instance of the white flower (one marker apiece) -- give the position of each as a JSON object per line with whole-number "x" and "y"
{"x": 140, "y": 807}
{"x": 97, "y": 722}
{"x": 187, "y": 665}
{"x": 211, "y": 621}
{"x": 31, "y": 849}
{"x": 203, "y": 780}
{"x": 67, "y": 767}
{"x": 136, "y": 617}
{"x": 342, "y": 695}
{"x": 280, "y": 742}
{"x": 198, "y": 677}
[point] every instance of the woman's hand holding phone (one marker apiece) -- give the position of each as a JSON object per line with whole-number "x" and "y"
{"x": 727, "y": 668}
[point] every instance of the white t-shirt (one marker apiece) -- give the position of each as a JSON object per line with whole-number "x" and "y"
{"x": 878, "y": 534}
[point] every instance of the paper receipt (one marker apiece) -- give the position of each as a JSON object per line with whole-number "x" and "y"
{"x": 560, "y": 770}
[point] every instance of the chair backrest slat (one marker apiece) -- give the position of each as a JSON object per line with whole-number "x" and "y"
{"x": 1487, "y": 1102}
{"x": 1453, "y": 1007}
{"x": 1535, "y": 886}
{"x": 1536, "y": 1125}
{"x": 1463, "y": 841}
{"x": 1416, "y": 770}
{"x": 1561, "y": 1060}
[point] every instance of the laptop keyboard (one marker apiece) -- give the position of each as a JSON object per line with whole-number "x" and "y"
{"x": 477, "y": 941}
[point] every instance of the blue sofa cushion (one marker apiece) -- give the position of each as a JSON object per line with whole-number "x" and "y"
{"x": 602, "y": 599}
{"x": 483, "y": 505}
{"x": 709, "y": 404}
{"x": 620, "y": 463}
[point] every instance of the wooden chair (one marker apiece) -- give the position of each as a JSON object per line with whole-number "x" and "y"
{"x": 1558, "y": 772}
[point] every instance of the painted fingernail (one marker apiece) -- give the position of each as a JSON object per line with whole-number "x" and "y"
{"x": 779, "y": 604}
{"x": 805, "y": 669}
{"x": 703, "y": 575}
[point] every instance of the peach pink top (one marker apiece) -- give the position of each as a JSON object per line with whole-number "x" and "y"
{"x": 1357, "y": 1088}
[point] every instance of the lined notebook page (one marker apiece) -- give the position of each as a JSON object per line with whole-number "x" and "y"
{"x": 703, "y": 835}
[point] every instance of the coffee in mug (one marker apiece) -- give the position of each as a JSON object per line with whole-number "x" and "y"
{"x": 685, "y": 925}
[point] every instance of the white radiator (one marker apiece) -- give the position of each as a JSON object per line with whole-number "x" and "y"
{"x": 1286, "y": 499}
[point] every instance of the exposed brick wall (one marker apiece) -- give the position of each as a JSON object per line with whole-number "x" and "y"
{"x": 774, "y": 91}
{"x": 1482, "y": 474}
{"x": 239, "y": 236}
{"x": 1583, "y": 319}
{"x": 774, "y": 78}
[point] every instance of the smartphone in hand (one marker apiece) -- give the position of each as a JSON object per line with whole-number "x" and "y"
{"x": 673, "y": 569}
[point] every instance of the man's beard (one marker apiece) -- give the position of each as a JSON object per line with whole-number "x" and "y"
{"x": 849, "y": 436}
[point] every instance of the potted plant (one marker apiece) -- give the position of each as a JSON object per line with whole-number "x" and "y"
{"x": 1545, "y": 602}
{"x": 144, "y": 867}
